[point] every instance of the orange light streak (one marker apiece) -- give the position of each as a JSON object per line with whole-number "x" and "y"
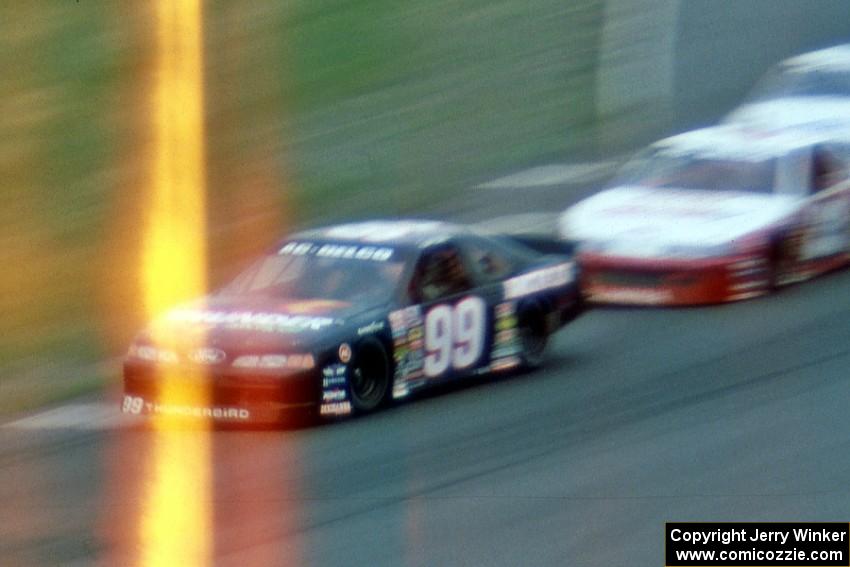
{"x": 175, "y": 527}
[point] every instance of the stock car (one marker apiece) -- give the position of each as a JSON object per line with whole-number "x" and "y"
{"x": 714, "y": 215}
{"x": 344, "y": 319}
{"x": 810, "y": 91}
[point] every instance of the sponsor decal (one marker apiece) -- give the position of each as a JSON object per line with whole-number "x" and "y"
{"x": 406, "y": 326}
{"x": 400, "y": 347}
{"x": 344, "y": 353}
{"x": 346, "y": 251}
{"x": 505, "y": 322}
{"x": 335, "y": 390}
{"x": 506, "y": 335}
{"x": 404, "y": 319}
{"x": 249, "y": 320}
{"x": 505, "y": 363}
{"x": 504, "y": 309}
{"x": 298, "y": 248}
{"x": 334, "y": 381}
{"x": 373, "y": 327}
{"x": 396, "y": 320}
{"x": 506, "y": 346}
{"x": 539, "y": 280}
{"x": 355, "y": 252}
{"x": 334, "y": 395}
{"x": 630, "y": 295}
{"x": 335, "y": 408}
{"x": 136, "y": 405}
{"x": 289, "y": 361}
{"x": 333, "y": 375}
{"x": 207, "y": 355}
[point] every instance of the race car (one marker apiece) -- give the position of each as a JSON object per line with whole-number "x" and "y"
{"x": 345, "y": 319}
{"x": 809, "y": 91}
{"x": 714, "y": 215}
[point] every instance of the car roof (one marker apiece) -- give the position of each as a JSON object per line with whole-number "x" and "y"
{"x": 836, "y": 58}
{"x": 415, "y": 233}
{"x": 738, "y": 143}
{"x": 825, "y": 115}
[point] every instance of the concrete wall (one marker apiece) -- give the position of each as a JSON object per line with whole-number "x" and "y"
{"x": 670, "y": 65}
{"x": 724, "y": 46}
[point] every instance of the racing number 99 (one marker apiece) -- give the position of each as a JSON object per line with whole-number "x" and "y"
{"x": 132, "y": 405}
{"x": 454, "y": 336}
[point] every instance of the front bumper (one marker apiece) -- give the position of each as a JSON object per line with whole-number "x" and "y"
{"x": 660, "y": 281}
{"x": 219, "y": 395}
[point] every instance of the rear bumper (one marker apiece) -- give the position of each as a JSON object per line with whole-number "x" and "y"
{"x": 660, "y": 281}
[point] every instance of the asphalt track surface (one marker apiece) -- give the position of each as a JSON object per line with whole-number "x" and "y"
{"x": 641, "y": 416}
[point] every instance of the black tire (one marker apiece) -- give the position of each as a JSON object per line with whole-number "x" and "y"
{"x": 370, "y": 377}
{"x": 533, "y": 338}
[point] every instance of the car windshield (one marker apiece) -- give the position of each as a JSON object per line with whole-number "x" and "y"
{"x": 696, "y": 172}
{"x": 803, "y": 82}
{"x": 309, "y": 276}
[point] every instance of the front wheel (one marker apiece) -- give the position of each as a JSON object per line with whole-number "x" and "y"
{"x": 370, "y": 377}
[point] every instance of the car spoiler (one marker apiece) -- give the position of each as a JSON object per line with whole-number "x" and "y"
{"x": 536, "y": 231}
{"x": 543, "y": 244}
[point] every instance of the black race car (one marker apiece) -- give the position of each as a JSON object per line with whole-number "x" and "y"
{"x": 344, "y": 319}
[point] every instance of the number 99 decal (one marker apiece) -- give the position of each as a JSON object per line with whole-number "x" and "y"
{"x": 132, "y": 405}
{"x": 454, "y": 336}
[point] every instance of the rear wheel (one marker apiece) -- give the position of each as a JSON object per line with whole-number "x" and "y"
{"x": 781, "y": 259}
{"x": 370, "y": 377}
{"x": 533, "y": 339}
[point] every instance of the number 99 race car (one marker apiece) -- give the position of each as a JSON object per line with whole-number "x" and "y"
{"x": 344, "y": 319}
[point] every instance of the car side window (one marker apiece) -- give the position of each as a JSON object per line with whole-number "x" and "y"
{"x": 486, "y": 260}
{"x": 440, "y": 273}
{"x": 827, "y": 169}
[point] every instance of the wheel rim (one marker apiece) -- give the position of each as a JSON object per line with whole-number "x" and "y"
{"x": 533, "y": 344}
{"x": 369, "y": 380}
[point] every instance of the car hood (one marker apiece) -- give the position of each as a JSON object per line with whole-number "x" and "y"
{"x": 648, "y": 221}
{"x": 258, "y": 324}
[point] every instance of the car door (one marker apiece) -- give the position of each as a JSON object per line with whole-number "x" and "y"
{"x": 456, "y": 313}
{"x": 827, "y": 211}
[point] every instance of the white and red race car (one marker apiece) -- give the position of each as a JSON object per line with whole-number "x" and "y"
{"x": 714, "y": 215}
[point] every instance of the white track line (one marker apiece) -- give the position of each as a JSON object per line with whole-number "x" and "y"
{"x": 558, "y": 174}
{"x": 523, "y": 223}
{"x": 78, "y": 416}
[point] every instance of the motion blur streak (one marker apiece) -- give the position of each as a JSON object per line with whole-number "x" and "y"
{"x": 176, "y": 515}
{"x": 24, "y": 235}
